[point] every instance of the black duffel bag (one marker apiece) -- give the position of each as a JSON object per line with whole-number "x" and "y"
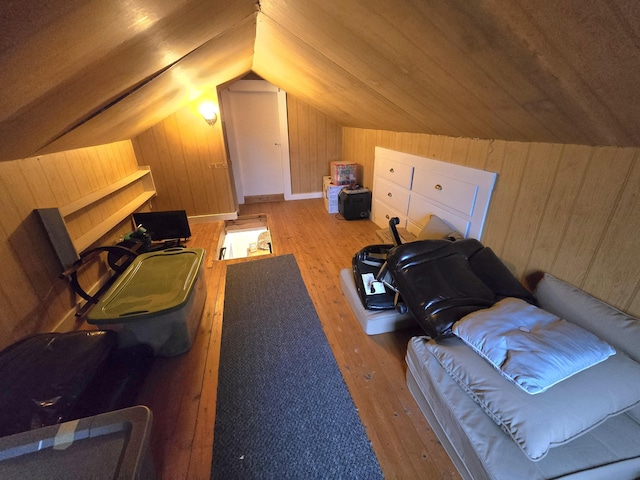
{"x": 366, "y": 265}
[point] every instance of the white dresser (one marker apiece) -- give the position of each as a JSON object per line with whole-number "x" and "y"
{"x": 413, "y": 188}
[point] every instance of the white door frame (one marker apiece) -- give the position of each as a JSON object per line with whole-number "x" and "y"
{"x": 261, "y": 86}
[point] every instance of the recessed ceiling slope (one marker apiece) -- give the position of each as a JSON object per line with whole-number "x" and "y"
{"x": 63, "y": 69}
{"x": 539, "y": 71}
{"x": 87, "y": 72}
{"x": 219, "y": 60}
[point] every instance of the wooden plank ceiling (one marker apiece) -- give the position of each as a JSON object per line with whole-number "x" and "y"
{"x": 80, "y": 73}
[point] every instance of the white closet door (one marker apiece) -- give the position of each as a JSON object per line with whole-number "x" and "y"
{"x": 259, "y": 154}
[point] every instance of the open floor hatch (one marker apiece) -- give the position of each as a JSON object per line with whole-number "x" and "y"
{"x": 247, "y": 236}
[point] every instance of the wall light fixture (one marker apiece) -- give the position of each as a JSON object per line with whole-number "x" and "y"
{"x": 208, "y": 111}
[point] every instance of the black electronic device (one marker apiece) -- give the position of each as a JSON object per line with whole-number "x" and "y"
{"x": 164, "y": 225}
{"x": 354, "y": 203}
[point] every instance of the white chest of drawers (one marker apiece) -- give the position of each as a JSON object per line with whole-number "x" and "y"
{"x": 413, "y": 188}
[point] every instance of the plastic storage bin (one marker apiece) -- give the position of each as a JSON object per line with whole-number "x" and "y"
{"x": 158, "y": 300}
{"x": 112, "y": 445}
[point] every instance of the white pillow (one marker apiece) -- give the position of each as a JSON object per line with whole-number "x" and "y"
{"x": 529, "y": 346}
{"x": 438, "y": 229}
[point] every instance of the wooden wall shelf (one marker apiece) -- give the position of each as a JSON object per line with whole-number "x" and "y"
{"x": 67, "y": 248}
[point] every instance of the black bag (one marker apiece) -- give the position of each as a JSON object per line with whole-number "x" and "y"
{"x": 50, "y": 378}
{"x": 366, "y": 265}
{"x": 372, "y": 277}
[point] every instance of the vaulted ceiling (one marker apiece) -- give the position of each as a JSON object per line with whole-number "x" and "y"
{"x": 79, "y": 73}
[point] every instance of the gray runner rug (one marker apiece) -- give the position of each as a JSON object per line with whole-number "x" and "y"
{"x": 283, "y": 409}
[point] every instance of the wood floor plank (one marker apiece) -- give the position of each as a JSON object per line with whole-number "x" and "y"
{"x": 181, "y": 391}
{"x": 202, "y": 449}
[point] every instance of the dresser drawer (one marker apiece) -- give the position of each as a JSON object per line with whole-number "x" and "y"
{"x": 453, "y": 193}
{"x": 395, "y": 172}
{"x": 393, "y": 195}
{"x": 382, "y": 213}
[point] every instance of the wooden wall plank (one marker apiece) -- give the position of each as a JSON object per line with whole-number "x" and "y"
{"x": 529, "y": 208}
{"x": 18, "y": 288}
{"x": 596, "y": 202}
{"x": 613, "y": 271}
{"x": 54, "y": 176}
{"x": 506, "y": 193}
{"x": 151, "y": 147}
{"x": 294, "y": 144}
{"x": 566, "y": 184}
{"x": 206, "y": 147}
{"x": 307, "y": 177}
{"x": 477, "y": 154}
{"x": 28, "y": 249}
{"x": 195, "y": 185}
{"x": 315, "y": 141}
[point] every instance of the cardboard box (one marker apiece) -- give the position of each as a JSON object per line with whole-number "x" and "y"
{"x": 330, "y": 194}
{"x": 343, "y": 173}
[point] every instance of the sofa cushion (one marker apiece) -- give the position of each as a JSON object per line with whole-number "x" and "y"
{"x": 539, "y": 422}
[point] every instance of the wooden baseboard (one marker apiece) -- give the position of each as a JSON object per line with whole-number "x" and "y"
{"x": 278, "y": 197}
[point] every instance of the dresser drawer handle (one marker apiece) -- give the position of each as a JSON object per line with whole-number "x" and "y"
{"x": 391, "y": 170}
{"x": 438, "y": 187}
{"x": 389, "y": 195}
{"x": 386, "y": 216}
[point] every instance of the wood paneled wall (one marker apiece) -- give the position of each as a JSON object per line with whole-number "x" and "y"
{"x": 32, "y": 296}
{"x": 189, "y": 163}
{"x": 315, "y": 141}
{"x": 190, "y": 170}
{"x": 569, "y": 210}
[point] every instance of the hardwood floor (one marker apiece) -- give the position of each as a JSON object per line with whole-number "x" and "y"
{"x": 181, "y": 391}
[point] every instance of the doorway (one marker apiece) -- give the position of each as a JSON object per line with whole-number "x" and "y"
{"x": 257, "y": 132}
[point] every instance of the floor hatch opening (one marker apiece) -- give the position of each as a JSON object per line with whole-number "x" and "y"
{"x": 246, "y": 236}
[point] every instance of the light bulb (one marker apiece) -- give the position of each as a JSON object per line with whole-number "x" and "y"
{"x": 209, "y": 111}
